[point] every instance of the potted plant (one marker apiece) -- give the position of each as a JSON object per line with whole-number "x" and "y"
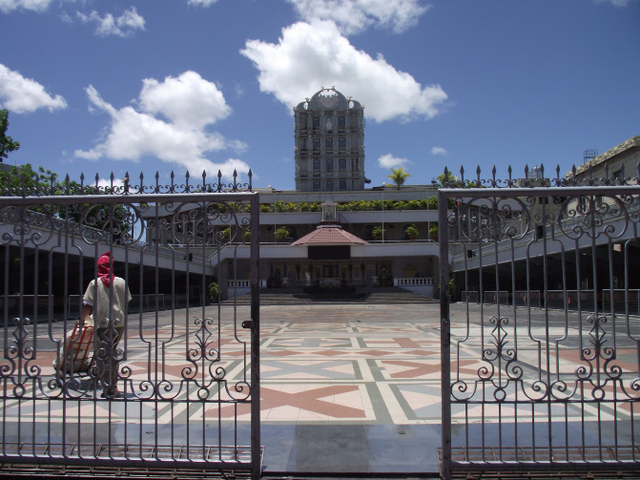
{"x": 433, "y": 232}
{"x": 247, "y": 235}
{"x": 377, "y": 232}
{"x": 225, "y": 234}
{"x": 214, "y": 291}
{"x": 282, "y": 234}
{"x": 411, "y": 232}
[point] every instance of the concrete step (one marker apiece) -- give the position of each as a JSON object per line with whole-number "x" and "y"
{"x": 383, "y": 295}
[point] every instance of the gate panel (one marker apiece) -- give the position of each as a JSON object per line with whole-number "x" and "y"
{"x": 186, "y": 366}
{"x": 541, "y": 357}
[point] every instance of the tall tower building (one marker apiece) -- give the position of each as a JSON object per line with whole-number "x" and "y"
{"x": 329, "y": 143}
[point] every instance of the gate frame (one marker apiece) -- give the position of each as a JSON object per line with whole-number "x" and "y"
{"x": 24, "y": 198}
{"x": 448, "y": 194}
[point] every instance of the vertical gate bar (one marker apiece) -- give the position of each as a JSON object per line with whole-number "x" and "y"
{"x": 156, "y": 234}
{"x": 125, "y": 337}
{"x": 205, "y": 221}
{"x": 445, "y": 334}
{"x": 629, "y": 334}
{"x": 219, "y": 314}
{"x": 5, "y": 343}
{"x": 576, "y": 249}
{"x": 613, "y": 334}
{"x": 515, "y": 337}
{"x": 548, "y": 346}
{"x": 255, "y": 338}
{"x": 34, "y": 381}
{"x": 495, "y": 233}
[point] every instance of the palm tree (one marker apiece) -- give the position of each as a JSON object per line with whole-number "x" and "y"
{"x": 447, "y": 179}
{"x": 398, "y": 176}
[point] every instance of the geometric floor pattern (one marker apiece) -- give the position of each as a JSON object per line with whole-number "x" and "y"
{"x": 320, "y": 364}
{"x": 334, "y": 364}
{"x": 330, "y": 373}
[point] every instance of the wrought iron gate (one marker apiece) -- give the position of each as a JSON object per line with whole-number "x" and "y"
{"x": 540, "y": 325}
{"x": 186, "y": 392}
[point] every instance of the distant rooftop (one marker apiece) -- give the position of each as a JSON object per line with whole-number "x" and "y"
{"x": 632, "y": 143}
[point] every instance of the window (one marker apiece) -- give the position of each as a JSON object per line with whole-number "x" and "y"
{"x": 316, "y": 164}
{"x": 341, "y": 122}
{"x": 342, "y": 143}
{"x": 355, "y": 164}
{"x": 316, "y": 144}
{"x": 343, "y": 185}
{"x": 329, "y": 164}
{"x": 316, "y": 185}
{"x": 329, "y": 184}
{"x": 328, "y": 143}
{"x": 342, "y": 163}
{"x": 316, "y": 122}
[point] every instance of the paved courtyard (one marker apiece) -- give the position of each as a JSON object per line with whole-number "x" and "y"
{"x": 344, "y": 387}
{"x": 350, "y": 364}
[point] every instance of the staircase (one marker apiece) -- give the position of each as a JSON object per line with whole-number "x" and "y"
{"x": 381, "y": 295}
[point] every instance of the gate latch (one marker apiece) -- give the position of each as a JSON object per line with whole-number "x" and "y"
{"x": 247, "y": 324}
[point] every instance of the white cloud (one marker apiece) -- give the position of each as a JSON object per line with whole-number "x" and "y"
{"x": 202, "y": 3}
{"x": 615, "y": 3}
{"x": 21, "y": 95}
{"x": 354, "y": 16}
{"x": 7, "y": 6}
{"x": 439, "y": 151}
{"x": 389, "y": 161}
{"x": 311, "y": 55}
{"x": 108, "y": 183}
{"x": 187, "y": 100}
{"x": 123, "y": 26}
{"x": 180, "y": 137}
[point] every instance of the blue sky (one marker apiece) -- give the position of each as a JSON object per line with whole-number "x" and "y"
{"x": 103, "y": 87}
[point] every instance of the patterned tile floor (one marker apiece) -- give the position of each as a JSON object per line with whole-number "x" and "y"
{"x": 359, "y": 383}
{"x": 340, "y": 364}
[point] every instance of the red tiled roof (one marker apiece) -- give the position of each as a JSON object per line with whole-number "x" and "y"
{"x": 329, "y": 235}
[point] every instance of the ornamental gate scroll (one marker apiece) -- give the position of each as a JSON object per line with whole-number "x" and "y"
{"x": 187, "y": 364}
{"x": 540, "y": 326}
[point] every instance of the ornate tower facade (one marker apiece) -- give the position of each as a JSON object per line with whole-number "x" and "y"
{"x": 329, "y": 143}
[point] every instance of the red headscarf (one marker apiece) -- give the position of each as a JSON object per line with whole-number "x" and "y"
{"x": 104, "y": 269}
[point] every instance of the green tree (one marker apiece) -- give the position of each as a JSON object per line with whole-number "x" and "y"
{"x": 398, "y": 176}
{"x": 24, "y": 179}
{"x": 448, "y": 179}
{"x": 115, "y": 221}
{"x": 7, "y": 144}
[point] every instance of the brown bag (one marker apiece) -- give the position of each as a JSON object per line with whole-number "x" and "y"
{"x": 75, "y": 354}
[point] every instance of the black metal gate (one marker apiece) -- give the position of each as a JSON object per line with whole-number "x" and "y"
{"x": 184, "y": 394}
{"x": 540, "y": 325}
